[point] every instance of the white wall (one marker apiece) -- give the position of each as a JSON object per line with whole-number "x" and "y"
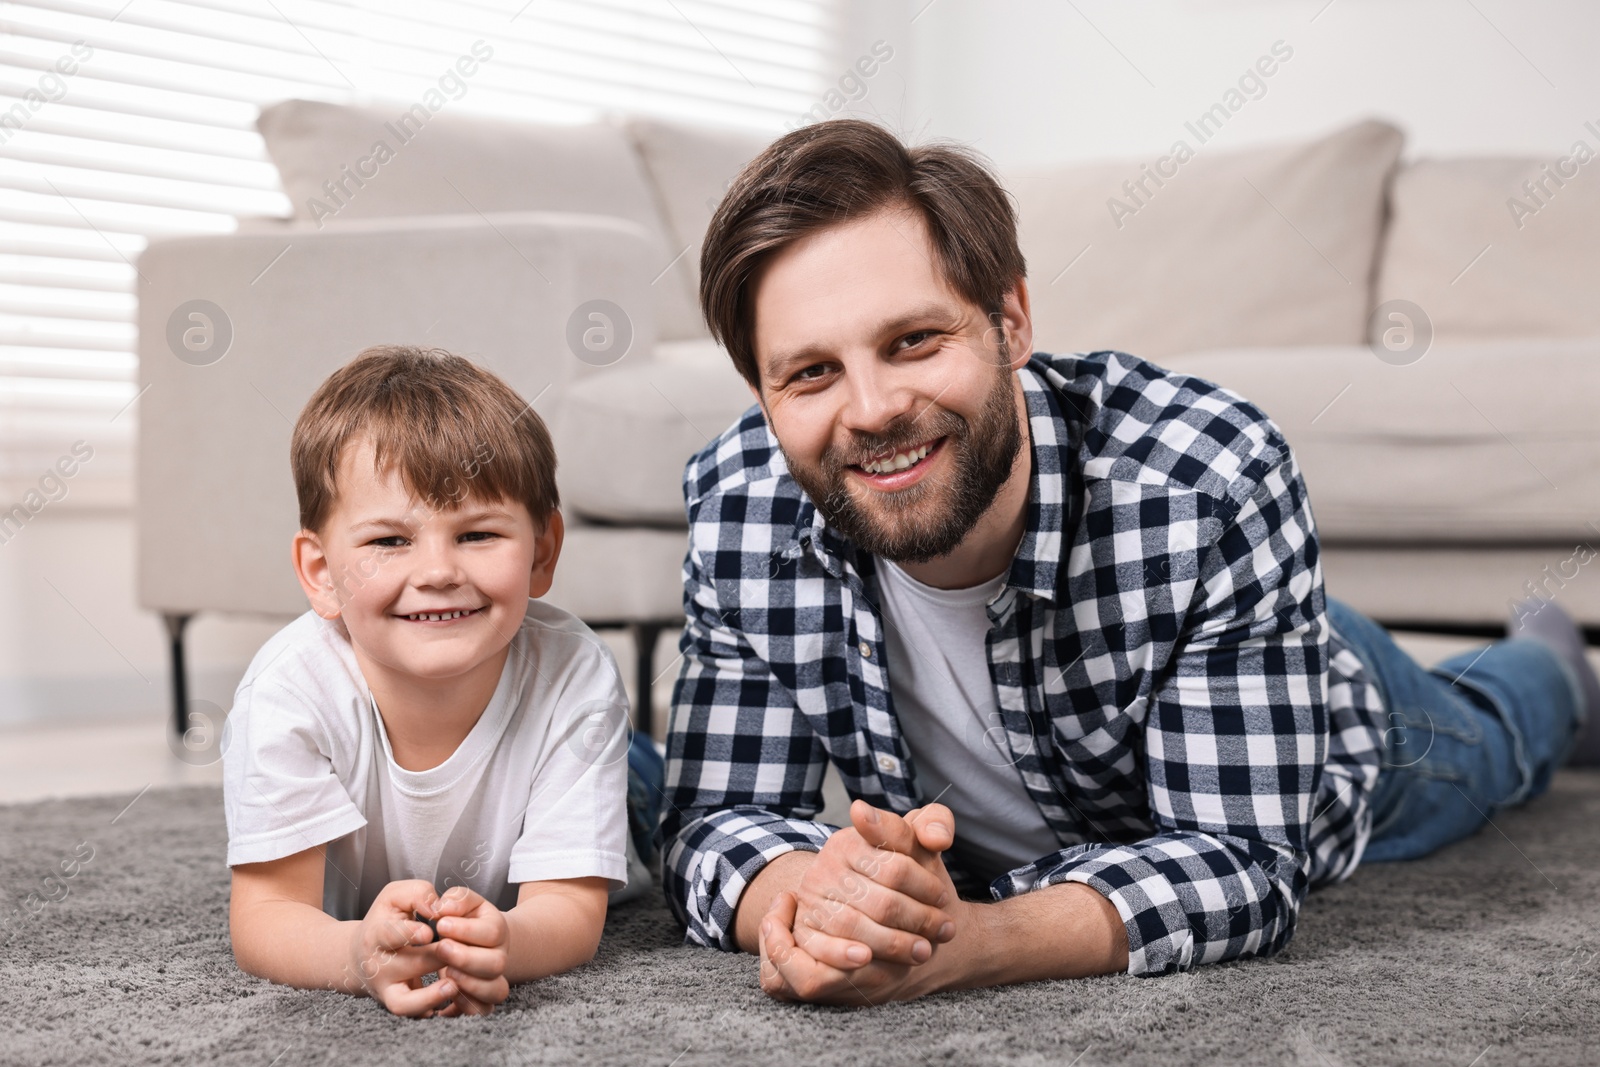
{"x": 74, "y": 644}
{"x": 1033, "y": 82}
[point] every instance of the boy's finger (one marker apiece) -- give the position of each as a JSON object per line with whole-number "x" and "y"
{"x": 410, "y": 895}
{"x": 486, "y": 992}
{"x": 416, "y": 1003}
{"x": 465, "y": 1005}
{"x": 487, "y": 932}
{"x": 486, "y": 963}
{"x": 457, "y": 900}
{"x": 405, "y": 965}
{"x": 398, "y": 935}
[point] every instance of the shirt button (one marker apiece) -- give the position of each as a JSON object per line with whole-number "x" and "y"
{"x": 866, "y": 649}
{"x": 888, "y": 764}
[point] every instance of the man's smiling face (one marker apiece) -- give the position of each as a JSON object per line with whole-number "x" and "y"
{"x": 891, "y": 395}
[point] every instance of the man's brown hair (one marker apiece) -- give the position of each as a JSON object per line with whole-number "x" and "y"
{"x": 453, "y": 430}
{"x": 839, "y": 170}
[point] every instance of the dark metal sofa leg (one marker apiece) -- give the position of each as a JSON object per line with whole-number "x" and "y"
{"x": 644, "y": 657}
{"x": 180, "y": 678}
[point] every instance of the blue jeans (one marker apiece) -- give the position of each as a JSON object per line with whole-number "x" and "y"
{"x": 1472, "y": 736}
{"x": 646, "y": 771}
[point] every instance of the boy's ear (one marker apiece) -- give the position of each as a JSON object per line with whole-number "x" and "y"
{"x": 547, "y": 549}
{"x": 316, "y": 577}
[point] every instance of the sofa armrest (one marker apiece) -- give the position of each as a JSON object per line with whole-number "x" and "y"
{"x": 279, "y": 309}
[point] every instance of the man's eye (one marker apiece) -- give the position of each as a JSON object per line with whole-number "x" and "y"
{"x": 918, "y": 337}
{"x": 805, "y": 375}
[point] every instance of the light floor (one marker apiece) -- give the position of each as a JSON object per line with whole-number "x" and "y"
{"x": 123, "y": 756}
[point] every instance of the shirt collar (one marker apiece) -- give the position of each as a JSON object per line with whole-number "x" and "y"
{"x": 1054, "y": 502}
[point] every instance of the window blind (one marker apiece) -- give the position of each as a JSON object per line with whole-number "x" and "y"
{"x": 122, "y": 121}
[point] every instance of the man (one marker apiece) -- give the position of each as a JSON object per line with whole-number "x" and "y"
{"x": 1057, "y": 622}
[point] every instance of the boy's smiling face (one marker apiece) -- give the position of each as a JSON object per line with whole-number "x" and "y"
{"x": 424, "y": 594}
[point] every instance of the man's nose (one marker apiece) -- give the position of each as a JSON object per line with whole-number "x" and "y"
{"x": 877, "y": 396}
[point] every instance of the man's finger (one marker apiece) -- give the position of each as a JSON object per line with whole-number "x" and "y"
{"x": 934, "y": 826}
{"x": 806, "y": 978}
{"x": 840, "y": 953}
{"x": 775, "y": 940}
{"x": 903, "y": 874}
{"x": 882, "y": 828}
{"x": 789, "y": 971}
{"x": 885, "y": 942}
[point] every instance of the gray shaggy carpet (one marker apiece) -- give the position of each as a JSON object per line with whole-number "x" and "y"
{"x": 1484, "y": 954}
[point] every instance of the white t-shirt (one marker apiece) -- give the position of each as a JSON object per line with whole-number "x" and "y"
{"x": 945, "y": 703}
{"x": 536, "y": 791}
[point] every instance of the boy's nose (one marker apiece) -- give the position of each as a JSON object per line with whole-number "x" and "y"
{"x": 440, "y": 566}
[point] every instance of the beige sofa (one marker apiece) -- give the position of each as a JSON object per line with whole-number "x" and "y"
{"x": 1447, "y": 477}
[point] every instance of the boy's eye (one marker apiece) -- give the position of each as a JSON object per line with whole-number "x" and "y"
{"x": 398, "y": 541}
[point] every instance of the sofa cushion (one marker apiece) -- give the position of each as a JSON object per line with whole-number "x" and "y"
{"x": 1485, "y": 259}
{"x": 1474, "y": 443}
{"x": 1266, "y": 246}
{"x": 625, "y": 433}
{"x": 691, "y": 166}
{"x": 609, "y": 574}
{"x": 464, "y": 165}
{"x": 1431, "y": 583}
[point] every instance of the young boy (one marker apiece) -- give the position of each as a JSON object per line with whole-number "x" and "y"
{"x": 427, "y": 742}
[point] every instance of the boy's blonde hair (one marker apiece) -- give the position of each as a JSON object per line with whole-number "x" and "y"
{"x": 453, "y": 430}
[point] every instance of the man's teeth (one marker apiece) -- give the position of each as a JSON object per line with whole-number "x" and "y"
{"x": 439, "y": 616}
{"x": 897, "y": 462}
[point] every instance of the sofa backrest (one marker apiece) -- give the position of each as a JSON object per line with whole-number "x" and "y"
{"x": 1267, "y": 246}
{"x": 1499, "y": 247}
{"x": 341, "y": 162}
{"x": 1199, "y": 248}
{"x": 691, "y": 167}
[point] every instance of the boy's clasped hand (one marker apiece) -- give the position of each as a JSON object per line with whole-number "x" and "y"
{"x": 392, "y": 952}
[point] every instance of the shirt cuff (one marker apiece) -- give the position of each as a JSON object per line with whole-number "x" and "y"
{"x": 1160, "y": 940}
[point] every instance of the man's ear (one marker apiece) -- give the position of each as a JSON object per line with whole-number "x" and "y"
{"x": 1018, "y": 319}
{"x": 547, "y": 549}
{"x": 316, "y": 576}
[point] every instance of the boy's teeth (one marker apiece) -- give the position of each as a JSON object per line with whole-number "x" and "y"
{"x": 438, "y": 616}
{"x": 897, "y": 462}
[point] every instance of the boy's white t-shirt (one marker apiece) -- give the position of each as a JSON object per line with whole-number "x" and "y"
{"x": 536, "y": 791}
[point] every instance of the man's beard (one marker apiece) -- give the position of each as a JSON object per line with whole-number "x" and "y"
{"x": 981, "y": 453}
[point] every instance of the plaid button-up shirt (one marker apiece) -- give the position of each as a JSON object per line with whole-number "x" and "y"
{"x": 1202, "y": 744}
